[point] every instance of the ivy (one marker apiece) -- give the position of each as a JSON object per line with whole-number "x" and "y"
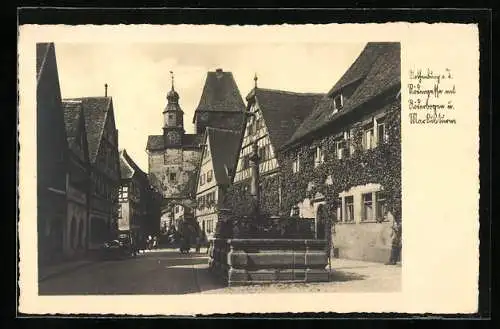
{"x": 379, "y": 165}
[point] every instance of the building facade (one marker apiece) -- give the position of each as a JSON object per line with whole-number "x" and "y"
{"x": 174, "y": 156}
{"x": 133, "y": 198}
{"x": 344, "y": 161}
{"x": 215, "y": 175}
{"x": 275, "y": 115}
{"x": 75, "y": 235}
{"x": 52, "y": 157}
{"x": 102, "y": 137}
{"x": 220, "y": 105}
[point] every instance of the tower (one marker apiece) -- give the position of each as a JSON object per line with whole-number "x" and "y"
{"x": 173, "y": 122}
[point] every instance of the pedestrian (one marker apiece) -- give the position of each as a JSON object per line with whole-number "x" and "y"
{"x": 396, "y": 243}
{"x": 155, "y": 242}
{"x": 198, "y": 243}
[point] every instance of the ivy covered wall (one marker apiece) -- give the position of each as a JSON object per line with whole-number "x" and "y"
{"x": 381, "y": 165}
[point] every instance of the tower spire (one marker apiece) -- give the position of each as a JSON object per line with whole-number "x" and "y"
{"x": 172, "y": 78}
{"x": 255, "y": 79}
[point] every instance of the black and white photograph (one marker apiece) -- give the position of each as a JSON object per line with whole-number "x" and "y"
{"x": 185, "y": 168}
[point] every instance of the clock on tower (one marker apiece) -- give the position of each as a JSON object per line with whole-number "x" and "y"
{"x": 173, "y": 137}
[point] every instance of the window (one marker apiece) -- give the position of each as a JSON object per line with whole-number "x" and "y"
{"x": 210, "y": 174}
{"x": 367, "y": 207}
{"x": 120, "y": 209}
{"x": 339, "y": 209}
{"x": 245, "y": 162}
{"x": 340, "y": 148}
{"x": 176, "y": 209}
{"x": 349, "y": 209}
{"x": 173, "y": 177}
{"x": 295, "y": 211}
{"x": 381, "y": 205}
{"x": 368, "y": 140}
{"x": 338, "y": 103}
{"x": 207, "y": 152}
{"x": 319, "y": 157}
{"x": 296, "y": 165}
{"x": 382, "y": 136}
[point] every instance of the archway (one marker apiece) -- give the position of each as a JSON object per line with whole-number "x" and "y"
{"x": 81, "y": 238}
{"x": 321, "y": 219}
{"x": 73, "y": 234}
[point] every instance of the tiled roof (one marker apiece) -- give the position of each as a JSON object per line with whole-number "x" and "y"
{"x": 95, "y": 110}
{"x": 220, "y": 93}
{"x": 156, "y": 142}
{"x": 126, "y": 169}
{"x": 376, "y": 70}
{"x": 284, "y": 111}
{"x": 42, "y": 49}
{"x": 72, "y": 111}
{"x": 72, "y": 116}
{"x": 224, "y": 147}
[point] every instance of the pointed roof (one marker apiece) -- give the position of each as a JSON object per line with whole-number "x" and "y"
{"x": 376, "y": 70}
{"x": 95, "y": 110}
{"x": 224, "y": 147}
{"x": 283, "y": 111}
{"x": 128, "y": 167}
{"x": 220, "y": 94}
{"x": 42, "y": 51}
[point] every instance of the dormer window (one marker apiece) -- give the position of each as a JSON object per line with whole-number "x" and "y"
{"x": 338, "y": 103}
{"x": 296, "y": 165}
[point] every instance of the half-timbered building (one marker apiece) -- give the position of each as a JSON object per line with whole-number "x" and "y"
{"x": 214, "y": 176}
{"x": 102, "y": 137}
{"x": 133, "y": 199}
{"x": 75, "y": 229}
{"x": 273, "y": 116}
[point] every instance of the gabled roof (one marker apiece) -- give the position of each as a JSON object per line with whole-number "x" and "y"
{"x": 128, "y": 167}
{"x": 220, "y": 93}
{"x": 156, "y": 142}
{"x": 284, "y": 111}
{"x": 42, "y": 50}
{"x": 95, "y": 110}
{"x": 376, "y": 70}
{"x": 224, "y": 147}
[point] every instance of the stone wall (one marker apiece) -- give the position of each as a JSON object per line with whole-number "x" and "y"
{"x": 180, "y": 162}
{"x": 254, "y": 261}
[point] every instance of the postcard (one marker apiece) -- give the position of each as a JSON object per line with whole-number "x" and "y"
{"x": 209, "y": 169}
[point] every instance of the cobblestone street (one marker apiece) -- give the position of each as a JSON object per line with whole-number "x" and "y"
{"x": 166, "y": 271}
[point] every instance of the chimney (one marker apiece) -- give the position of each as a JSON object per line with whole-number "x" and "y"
{"x": 218, "y": 73}
{"x": 105, "y": 90}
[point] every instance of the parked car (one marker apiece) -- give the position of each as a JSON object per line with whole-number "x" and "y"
{"x": 114, "y": 249}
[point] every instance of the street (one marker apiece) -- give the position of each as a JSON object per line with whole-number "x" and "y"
{"x": 157, "y": 272}
{"x": 166, "y": 271}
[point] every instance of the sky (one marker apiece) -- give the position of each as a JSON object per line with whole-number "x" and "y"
{"x": 138, "y": 76}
